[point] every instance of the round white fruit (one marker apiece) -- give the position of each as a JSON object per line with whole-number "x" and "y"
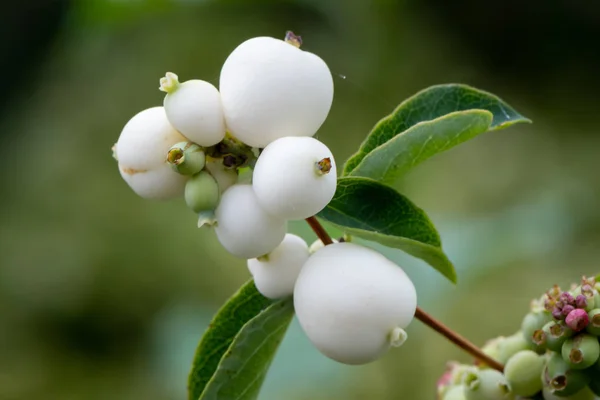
{"x": 275, "y": 274}
{"x": 243, "y": 227}
{"x": 194, "y": 109}
{"x": 318, "y": 245}
{"x": 141, "y": 152}
{"x": 352, "y": 302}
{"x": 289, "y": 179}
{"x": 271, "y": 89}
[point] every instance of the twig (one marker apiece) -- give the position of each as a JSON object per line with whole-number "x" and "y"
{"x": 422, "y": 316}
{"x": 457, "y": 339}
{"x": 319, "y": 230}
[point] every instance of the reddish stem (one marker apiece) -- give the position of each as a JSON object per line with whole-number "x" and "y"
{"x": 422, "y": 316}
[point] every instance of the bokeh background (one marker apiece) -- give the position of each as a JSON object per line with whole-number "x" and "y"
{"x": 104, "y": 295}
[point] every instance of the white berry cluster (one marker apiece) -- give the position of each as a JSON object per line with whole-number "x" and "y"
{"x": 352, "y": 302}
{"x": 273, "y": 97}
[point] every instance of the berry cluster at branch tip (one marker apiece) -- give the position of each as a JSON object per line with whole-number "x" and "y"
{"x": 555, "y": 354}
{"x": 352, "y": 302}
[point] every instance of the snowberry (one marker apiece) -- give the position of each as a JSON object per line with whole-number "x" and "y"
{"x": 294, "y": 177}
{"x": 353, "y": 303}
{"x": 194, "y": 109}
{"x": 141, "y": 152}
{"x": 318, "y": 245}
{"x": 486, "y": 384}
{"x": 243, "y": 227}
{"x": 523, "y": 371}
{"x": 275, "y": 273}
{"x": 271, "y": 89}
{"x": 225, "y": 177}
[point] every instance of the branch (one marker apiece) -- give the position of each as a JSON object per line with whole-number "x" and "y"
{"x": 422, "y": 316}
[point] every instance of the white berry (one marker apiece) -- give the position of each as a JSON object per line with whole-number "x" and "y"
{"x": 194, "y": 109}
{"x": 270, "y": 89}
{"x": 275, "y": 273}
{"x": 224, "y": 177}
{"x": 295, "y": 177}
{"x": 141, "y": 152}
{"x": 318, "y": 245}
{"x": 243, "y": 227}
{"x": 353, "y": 303}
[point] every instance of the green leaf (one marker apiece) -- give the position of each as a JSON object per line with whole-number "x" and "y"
{"x": 432, "y": 103}
{"x": 376, "y": 212}
{"x": 244, "y": 366}
{"x": 227, "y": 323}
{"x": 401, "y": 153}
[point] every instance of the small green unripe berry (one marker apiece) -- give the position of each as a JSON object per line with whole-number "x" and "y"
{"x": 455, "y": 393}
{"x": 202, "y": 192}
{"x": 491, "y": 348}
{"x": 561, "y": 379}
{"x": 583, "y": 394}
{"x": 186, "y": 158}
{"x": 523, "y": 371}
{"x": 533, "y": 322}
{"x": 594, "y": 326}
{"x": 556, "y": 333}
{"x": 581, "y": 351}
{"x": 487, "y": 384}
{"x": 594, "y": 372}
{"x": 510, "y": 346}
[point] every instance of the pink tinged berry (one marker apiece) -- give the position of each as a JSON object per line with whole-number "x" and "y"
{"x": 567, "y": 298}
{"x": 566, "y": 310}
{"x": 577, "y": 320}
{"x": 587, "y": 290}
{"x": 557, "y": 313}
{"x": 581, "y": 301}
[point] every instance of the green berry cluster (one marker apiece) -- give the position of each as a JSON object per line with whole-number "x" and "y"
{"x": 555, "y": 354}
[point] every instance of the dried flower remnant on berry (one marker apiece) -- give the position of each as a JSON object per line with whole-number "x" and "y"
{"x": 293, "y": 39}
{"x": 324, "y": 166}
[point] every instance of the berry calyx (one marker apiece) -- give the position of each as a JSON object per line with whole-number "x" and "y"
{"x": 186, "y": 158}
{"x": 581, "y": 351}
{"x": 562, "y": 380}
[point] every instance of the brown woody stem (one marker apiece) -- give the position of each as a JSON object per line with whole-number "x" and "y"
{"x": 422, "y": 316}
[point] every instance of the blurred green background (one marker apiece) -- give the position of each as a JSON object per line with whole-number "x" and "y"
{"x": 104, "y": 295}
